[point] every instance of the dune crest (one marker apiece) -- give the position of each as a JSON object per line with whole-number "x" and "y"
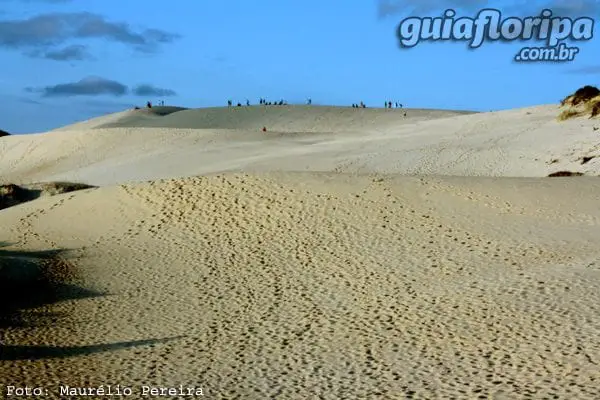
{"x": 516, "y": 143}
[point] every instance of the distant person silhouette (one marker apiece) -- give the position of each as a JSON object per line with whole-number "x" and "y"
{"x": 149, "y": 104}
{"x": 229, "y": 103}
{"x": 247, "y": 102}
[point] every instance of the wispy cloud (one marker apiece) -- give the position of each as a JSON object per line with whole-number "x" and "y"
{"x": 90, "y": 86}
{"x": 577, "y": 8}
{"x": 387, "y": 8}
{"x": 98, "y": 86}
{"x": 44, "y": 32}
{"x": 559, "y": 8}
{"x": 589, "y": 70}
{"x": 75, "y": 52}
{"x": 29, "y": 101}
{"x": 149, "y": 90}
{"x": 571, "y": 8}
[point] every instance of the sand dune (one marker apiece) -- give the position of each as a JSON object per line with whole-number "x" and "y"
{"x": 293, "y": 284}
{"x": 515, "y": 143}
{"x": 338, "y": 256}
{"x": 278, "y": 118}
{"x": 123, "y": 118}
{"x": 275, "y": 118}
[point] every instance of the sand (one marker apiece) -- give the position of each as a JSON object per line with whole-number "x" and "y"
{"x": 307, "y": 264}
{"x": 514, "y": 143}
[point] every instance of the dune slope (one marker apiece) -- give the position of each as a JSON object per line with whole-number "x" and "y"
{"x": 295, "y": 284}
{"x": 518, "y": 143}
{"x": 276, "y": 118}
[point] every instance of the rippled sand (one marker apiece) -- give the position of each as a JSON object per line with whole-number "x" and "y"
{"x": 300, "y": 285}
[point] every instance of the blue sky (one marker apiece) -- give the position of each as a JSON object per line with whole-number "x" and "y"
{"x": 69, "y": 60}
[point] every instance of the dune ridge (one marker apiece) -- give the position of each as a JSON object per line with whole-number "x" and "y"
{"x": 516, "y": 143}
{"x": 282, "y": 118}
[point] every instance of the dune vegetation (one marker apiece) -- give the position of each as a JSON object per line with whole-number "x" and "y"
{"x": 12, "y": 195}
{"x": 585, "y": 101}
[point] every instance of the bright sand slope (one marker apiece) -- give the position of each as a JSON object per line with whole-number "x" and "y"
{"x": 299, "y": 284}
{"x": 523, "y": 142}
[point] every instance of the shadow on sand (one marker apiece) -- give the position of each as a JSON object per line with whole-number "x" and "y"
{"x": 31, "y": 280}
{"x": 14, "y": 353}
